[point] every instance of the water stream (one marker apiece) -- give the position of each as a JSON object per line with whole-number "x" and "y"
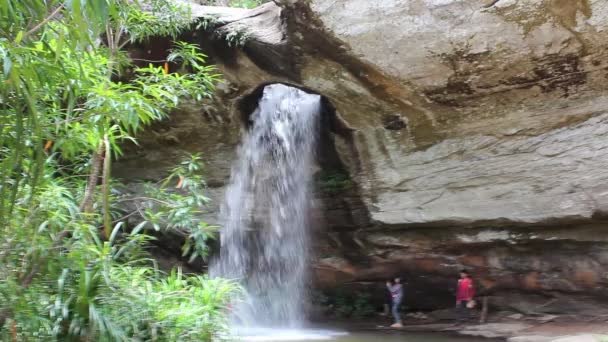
{"x": 264, "y": 241}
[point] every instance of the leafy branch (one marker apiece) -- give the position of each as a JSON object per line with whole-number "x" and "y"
{"x": 174, "y": 206}
{"x": 71, "y": 270}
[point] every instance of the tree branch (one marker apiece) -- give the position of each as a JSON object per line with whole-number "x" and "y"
{"x": 44, "y": 22}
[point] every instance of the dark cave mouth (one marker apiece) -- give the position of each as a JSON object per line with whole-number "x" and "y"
{"x": 330, "y": 119}
{"x": 332, "y": 126}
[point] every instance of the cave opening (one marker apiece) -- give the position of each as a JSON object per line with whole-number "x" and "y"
{"x": 331, "y": 126}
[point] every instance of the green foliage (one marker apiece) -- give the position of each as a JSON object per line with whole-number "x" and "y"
{"x": 99, "y": 299}
{"x": 362, "y": 306}
{"x": 344, "y": 305}
{"x": 357, "y": 306}
{"x": 160, "y": 18}
{"x": 246, "y": 3}
{"x": 236, "y": 38}
{"x": 73, "y": 266}
{"x": 174, "y": 205}
{"x": 334, "y": 182}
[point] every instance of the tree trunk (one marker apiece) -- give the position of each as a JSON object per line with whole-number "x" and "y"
{"x": 87, "y": 202}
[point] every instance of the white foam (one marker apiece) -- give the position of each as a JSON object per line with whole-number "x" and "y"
{"x": 272, "y": 335}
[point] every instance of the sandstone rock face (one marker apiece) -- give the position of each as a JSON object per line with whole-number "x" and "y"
{"x": 475, "y": 134}
{"x": 506, "y": 88}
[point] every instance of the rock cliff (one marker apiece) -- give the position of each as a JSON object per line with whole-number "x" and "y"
{"x": 463, "y": 134}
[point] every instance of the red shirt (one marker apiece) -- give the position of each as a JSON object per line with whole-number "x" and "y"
{"x": 465, "y": 291}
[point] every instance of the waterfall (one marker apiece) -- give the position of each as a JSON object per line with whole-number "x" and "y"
{"x": 265, "y": 235}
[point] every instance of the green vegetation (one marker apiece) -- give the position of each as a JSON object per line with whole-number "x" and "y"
{"x": 73, "y": 261}
{"x": 176, "y": 209}
{"x": 334, "y": 182}
{"x": 357, "y": 306}
{"x": 246, "y": 3}
{"x": 345, "y": 305}
{"x": 236, "y": 38}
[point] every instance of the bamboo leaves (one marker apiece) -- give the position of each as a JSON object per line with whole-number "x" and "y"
{"x": 66, "y": 253}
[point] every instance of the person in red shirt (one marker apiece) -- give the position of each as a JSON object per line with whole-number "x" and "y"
{"x": 465, "y": 293}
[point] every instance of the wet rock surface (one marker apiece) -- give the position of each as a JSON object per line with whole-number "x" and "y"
{"x": 472, "y": 135}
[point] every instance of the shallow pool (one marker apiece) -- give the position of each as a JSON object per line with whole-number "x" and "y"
{"x": 405, "y": 336}
{"x": 309, "y": 335}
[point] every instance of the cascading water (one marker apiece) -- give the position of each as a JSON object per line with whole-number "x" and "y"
{"x": 264, "y": 241}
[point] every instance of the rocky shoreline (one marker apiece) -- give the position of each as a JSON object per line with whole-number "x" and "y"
{"x": 500, "y": 327}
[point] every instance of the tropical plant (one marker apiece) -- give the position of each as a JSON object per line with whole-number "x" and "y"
{"x": 72, "y": 265}
{"x": 97, "y": 298}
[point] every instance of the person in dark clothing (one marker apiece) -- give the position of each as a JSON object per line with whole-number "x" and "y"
{"x": 465, "y": 292}
{"x": 386, "y": 305}
{"x": 396, "y": 290}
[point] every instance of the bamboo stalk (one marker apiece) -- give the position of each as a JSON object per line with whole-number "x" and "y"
{"x": 105, "y": 178}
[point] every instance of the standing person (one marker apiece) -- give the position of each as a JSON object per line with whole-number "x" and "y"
{"x": 396, "y": 291}
{"x": 465, "y": 293}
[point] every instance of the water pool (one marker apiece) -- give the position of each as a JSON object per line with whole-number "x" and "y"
{"x": 309, "y": 335}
